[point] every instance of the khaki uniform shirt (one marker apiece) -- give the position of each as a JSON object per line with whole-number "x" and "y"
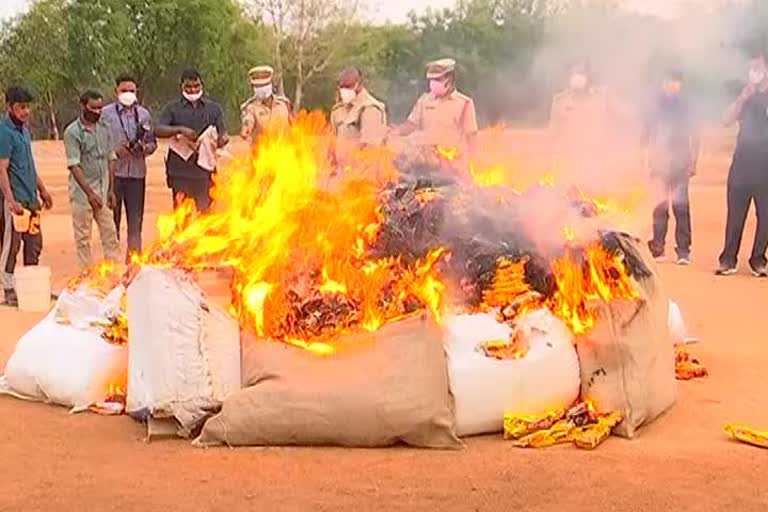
{"x": 579, "y": 124}
{"x": 444, "y": 121}
{"x": 91, "y": 148}
{"x": 257, "y": 114}
{"x": 362, "y": 122}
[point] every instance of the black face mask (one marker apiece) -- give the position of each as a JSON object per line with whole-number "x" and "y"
{"x": 90, "y": 116}
{"x": 15, "y": 120}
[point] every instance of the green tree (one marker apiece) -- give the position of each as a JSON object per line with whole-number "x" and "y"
{"x": 32, "y": 49}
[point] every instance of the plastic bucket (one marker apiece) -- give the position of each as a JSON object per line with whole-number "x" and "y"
{"x": 33, "y": 288}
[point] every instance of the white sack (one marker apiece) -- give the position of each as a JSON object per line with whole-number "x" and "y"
{"x": 184, "y": 353}
{"x": 484, "y": 389}
{"x": 69, "y": 365}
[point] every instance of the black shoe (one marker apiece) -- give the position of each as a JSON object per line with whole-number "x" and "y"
{"x": 759, "y": 271}
{"x": 10, "y": 298}
{"x": 725, "y": 270}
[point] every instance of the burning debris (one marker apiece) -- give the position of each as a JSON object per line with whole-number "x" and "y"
{"x": 687, "y": 367}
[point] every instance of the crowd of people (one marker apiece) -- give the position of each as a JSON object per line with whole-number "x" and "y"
{"x": 107, "y": 147}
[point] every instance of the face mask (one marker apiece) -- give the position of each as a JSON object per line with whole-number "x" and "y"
{"x": 91, "y": 117}
{"x": 127, "y": 99}
{"x": 578, "y": 81}
{"x": 193, "y": 97}
{"x": 263, "y": 92}
{"x": 18, "y": 122}
{"x": 756, "y": 76}
{"x": 347, "y": 95}
{"x": 672, "y": 88}
{"x": 438, "y": 87}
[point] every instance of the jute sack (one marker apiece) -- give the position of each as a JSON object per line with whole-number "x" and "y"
{"x": 627, "y": 360}
{"x": 377, "y": 389}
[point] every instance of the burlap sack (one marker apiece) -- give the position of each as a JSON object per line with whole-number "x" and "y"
{"x": 378, "y": 389}
{"x": 627, "y": 360}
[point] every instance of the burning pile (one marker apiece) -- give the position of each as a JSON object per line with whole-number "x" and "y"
{"x": 298, "y": 243}
{"x": 340, "y": 263}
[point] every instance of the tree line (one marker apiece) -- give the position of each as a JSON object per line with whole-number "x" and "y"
{"x": 511, "y": 54}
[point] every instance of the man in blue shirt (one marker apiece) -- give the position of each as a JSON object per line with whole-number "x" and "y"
{"x": 673, "y": 152}
{"x": 23, "y": 191}
{"x": 130, "y": 125}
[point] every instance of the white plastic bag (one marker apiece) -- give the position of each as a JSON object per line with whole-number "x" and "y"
{"x": 484, "y": 389}
{"x": 184, "y": 353}
{"x": 677, "y": 328}
{"x": 64, "y": 364}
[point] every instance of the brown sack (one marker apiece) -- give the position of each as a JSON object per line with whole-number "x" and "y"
{"x": 378, "y": 389}
{"x": 627, "y": 360}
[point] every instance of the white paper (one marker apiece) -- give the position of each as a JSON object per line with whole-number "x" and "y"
{"x": 181, "y": 147}
{"x": 207, "y": 142}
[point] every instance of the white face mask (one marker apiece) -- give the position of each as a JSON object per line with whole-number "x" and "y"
{"x": 193, "y": 97}
{"x": 756, "y": 76}
{"x": 578, "y": 81}
{"x": 347, "y": 95}
{"x": 263, "y": 92}
{"x": 127, "y": 99}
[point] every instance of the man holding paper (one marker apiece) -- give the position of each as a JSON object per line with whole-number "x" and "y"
{"x": 183, "y": 121}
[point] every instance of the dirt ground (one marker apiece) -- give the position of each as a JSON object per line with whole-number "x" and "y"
{"x": 50, "y": 460}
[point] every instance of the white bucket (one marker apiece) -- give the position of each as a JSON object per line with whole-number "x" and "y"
{"x": 33, "y": 288}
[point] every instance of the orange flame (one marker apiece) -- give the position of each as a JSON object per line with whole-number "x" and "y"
{"x": 297, "y": 238}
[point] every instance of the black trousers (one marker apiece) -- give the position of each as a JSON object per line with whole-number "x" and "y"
{"x": 197, "y": 189}
{"x": 674, "y": 191}
{"x": 12, "y": 244}
{"x": 743, "y": 189}
{"x": 131, "y": 193}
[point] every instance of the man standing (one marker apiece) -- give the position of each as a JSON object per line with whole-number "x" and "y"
{"x": 23, "y": 190}
{"x": 443, "y": 116}
{"x": 183, "y": 121}
{"x": 358, "y": 119}
{"x": 90, "y": 159}
{"x": 673, "y": 150}
{"x": 130, "y": 127}
{"x": 748, "y": 177}
{"x": 265, "y": 108}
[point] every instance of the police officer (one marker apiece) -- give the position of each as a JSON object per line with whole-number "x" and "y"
{"x": 264, "y": 108}
{"x": 748, "y": 177}
{"x": 358, "y": 119}
{"x": 579, "y": 121}
{"x": 443, "y": 116}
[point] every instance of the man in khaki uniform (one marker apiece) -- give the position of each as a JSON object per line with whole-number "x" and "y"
{"x": 443, "y": 117}
{"x": 264, "y": 108}
{"x": 580, "y": 124}
{"x": 358, "y": 119}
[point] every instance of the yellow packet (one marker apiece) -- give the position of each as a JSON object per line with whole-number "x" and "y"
{"x": 518, "y": 426}
{"x": 747, "y": 435}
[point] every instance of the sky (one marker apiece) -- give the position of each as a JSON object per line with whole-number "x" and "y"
{"x": 396, "y": 10}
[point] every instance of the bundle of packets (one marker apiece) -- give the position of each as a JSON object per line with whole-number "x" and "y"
{"x": 687, "y": 367}
{"x": 747, "y": 435}
{"x": 580, "y": 425}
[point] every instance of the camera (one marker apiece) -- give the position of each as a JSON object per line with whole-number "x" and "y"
{"x": 136, "y": 145}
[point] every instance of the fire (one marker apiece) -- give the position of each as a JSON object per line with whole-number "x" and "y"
{"x": 297, "y": 236}
{"x": 448, "y": 154}
{"x": 581, "y": 276}
{"x": 548, "y": 180}
{"x": 593, "y": 275}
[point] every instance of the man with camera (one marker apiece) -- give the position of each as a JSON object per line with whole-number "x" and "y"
{"x": 130, "y": 126}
